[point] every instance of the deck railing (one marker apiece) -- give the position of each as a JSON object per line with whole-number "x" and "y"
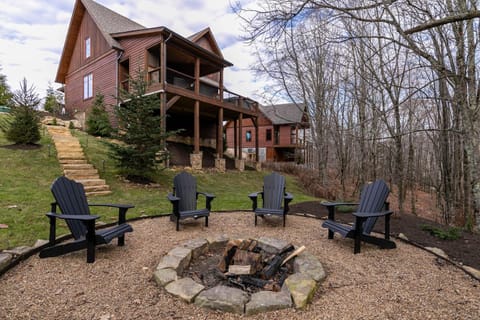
{"x": 185, "y": 81}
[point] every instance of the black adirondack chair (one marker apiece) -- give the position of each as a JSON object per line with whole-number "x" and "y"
{"x": 184, "y": 199}
{"x": 372, "y": 206}
{"x": 273, "y": 196}
{"x": 71, "y": 199}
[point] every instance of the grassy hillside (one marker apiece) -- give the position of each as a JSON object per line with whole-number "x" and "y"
{"x": 26, "y": 175}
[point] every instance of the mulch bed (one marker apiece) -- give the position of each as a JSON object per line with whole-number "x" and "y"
{"x": 463, "y": 250}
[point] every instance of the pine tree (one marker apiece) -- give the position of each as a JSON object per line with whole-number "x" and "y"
{"x": 5, "y": 93}
{"x": 98, "y": 123}
{"x": 139, "y": 133}
{"x": 51, "y": 100}
{"x": 24, "y": 127}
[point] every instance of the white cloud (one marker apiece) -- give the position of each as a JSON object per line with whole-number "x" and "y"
{"x": 33, "y": 32}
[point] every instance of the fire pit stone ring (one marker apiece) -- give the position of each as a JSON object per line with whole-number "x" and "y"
{"x": 297, "y": 288}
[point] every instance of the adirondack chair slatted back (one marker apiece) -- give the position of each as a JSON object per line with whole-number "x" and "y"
{"x": 273, "y": 191}
{"x": 372, "y": 200}
{"x": 185, "y": 187}
{"x": 70, "y": 197}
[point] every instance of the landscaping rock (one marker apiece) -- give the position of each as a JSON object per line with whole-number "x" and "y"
{"x": 173, "y": 262}
{"x": 185, "y": 288}
{"x": 403, "y": 237}
{"x": 302, "y": 288}
{"x": 474, "y": 272}
{"x": 272, "y": 245}
{"x": 224, "y": 299}
{"x": 5, "y": 259}
{"x": 40, "y": 242}
{"x": 18, "y": 251}
{"x": 197, "y": 246}
{"x": 438, "y": 252}
{"x": 264, "y": 301}
{"x": 217, "y": 242}
{"x": 309, "y": 264}
{"x": 165, "y": 276}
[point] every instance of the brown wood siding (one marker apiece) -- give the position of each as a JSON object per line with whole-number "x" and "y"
{"x": 104, "y": 81}
{"x": 98, "y": 44}
{"x": 135, "y": 49}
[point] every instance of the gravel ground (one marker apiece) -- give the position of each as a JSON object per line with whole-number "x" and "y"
{"x": 404, "y": 283}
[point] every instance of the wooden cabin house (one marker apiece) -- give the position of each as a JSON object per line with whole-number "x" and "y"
{"x": 280, "y": 134}
{"x": 103, "y": 50}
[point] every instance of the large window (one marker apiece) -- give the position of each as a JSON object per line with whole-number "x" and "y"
{"x": 88, "y": 49}
{"x": 88, "y": 86}
{"x": 268, "y": 135}
{"x": 248, "y": 136}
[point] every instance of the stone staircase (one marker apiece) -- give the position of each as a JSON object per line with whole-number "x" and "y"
{"x": 75, "y": 165}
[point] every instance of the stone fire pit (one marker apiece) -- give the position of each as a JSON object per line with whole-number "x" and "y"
{"x": 297, "y": 290}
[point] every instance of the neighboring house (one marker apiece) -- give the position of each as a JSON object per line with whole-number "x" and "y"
{"x": 104, "y": 49}
{"x": 281, "y": 134}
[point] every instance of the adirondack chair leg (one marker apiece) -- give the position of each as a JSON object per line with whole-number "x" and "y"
{"x": 387, "y": 227}
{"x": 178, "y": 224}
{"x": 284, "y": 217}
{"x": 331, "y": 216}
{"x": 90, "y": 242}
{"x": 358, "y": 235}
{"x": 121, "y": 241}
{"x": 206, "y": 221}
{"x": 255, "y": 220}
{"x": 53, "y": 227}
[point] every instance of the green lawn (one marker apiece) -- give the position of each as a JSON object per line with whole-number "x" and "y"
{"x": 26, "y": 176}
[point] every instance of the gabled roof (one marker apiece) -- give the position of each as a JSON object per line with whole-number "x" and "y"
{"x": 107, "y": 22}
{"x": 284, "y": 113}
{"x": 207, "y": 33}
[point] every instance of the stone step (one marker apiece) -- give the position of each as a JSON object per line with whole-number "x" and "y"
{"x": 71, "y": 156}
{"x": 102, "y": 187}
{"x": 91, "y": 182}
{"x": 98, "y": 193}
{"x": 78, "y": 166}
{"x": 81, "y": 174}
{"x": 73, "y": 161}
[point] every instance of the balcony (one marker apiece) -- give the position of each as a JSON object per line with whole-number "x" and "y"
{"x": 179, "y": 82}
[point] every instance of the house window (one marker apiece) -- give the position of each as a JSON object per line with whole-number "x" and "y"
{"x": 88, "y": 86}
{"x": 88, "y": 51}
{"x": 268, "y": 135}
{"x": 248, "y": 136}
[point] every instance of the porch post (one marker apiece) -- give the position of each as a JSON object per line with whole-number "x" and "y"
{"x": 196, "y": 156}
{"x": 240, "y": 163}
{"x": 220, "y": 133}
{"x": 235, "y": 139}
{"x": 220, "y": 162}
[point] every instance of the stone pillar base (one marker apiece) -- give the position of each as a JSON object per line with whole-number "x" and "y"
{"x": 240, "y": 164}
{"x": 196, "y": 161}
{"x": 220, "y": 165}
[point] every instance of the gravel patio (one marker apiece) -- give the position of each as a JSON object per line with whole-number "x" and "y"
{"x": 404, "y": 283}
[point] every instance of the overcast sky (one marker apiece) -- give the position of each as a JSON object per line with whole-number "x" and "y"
{"x": 32, "y": 34}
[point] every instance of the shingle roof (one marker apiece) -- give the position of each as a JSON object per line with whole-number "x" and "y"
{"x": 284, "y": 113}
{"x": 109, "y": 21}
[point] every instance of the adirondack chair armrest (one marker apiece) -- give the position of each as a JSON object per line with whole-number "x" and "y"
{"x": 254, "y": 197}
{"x": 288, "y": 197}
{"x": 208, "y": 199}
{"x": 372, "y": 214}
{"x": 122, "y": 209}
{"x": 83, "y": 217}
{"x": 175, "y": 203}
{"x": 331, "y": 206}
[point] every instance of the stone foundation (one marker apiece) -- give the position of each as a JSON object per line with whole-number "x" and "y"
{"x": 220, "y": 164}
{"x": 240, "y": 164}
{"x": 196, "y": 160}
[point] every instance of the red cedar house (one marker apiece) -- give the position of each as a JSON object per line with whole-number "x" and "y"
{"x": 281, "y": 134}
{"x": 102, "y": 49}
